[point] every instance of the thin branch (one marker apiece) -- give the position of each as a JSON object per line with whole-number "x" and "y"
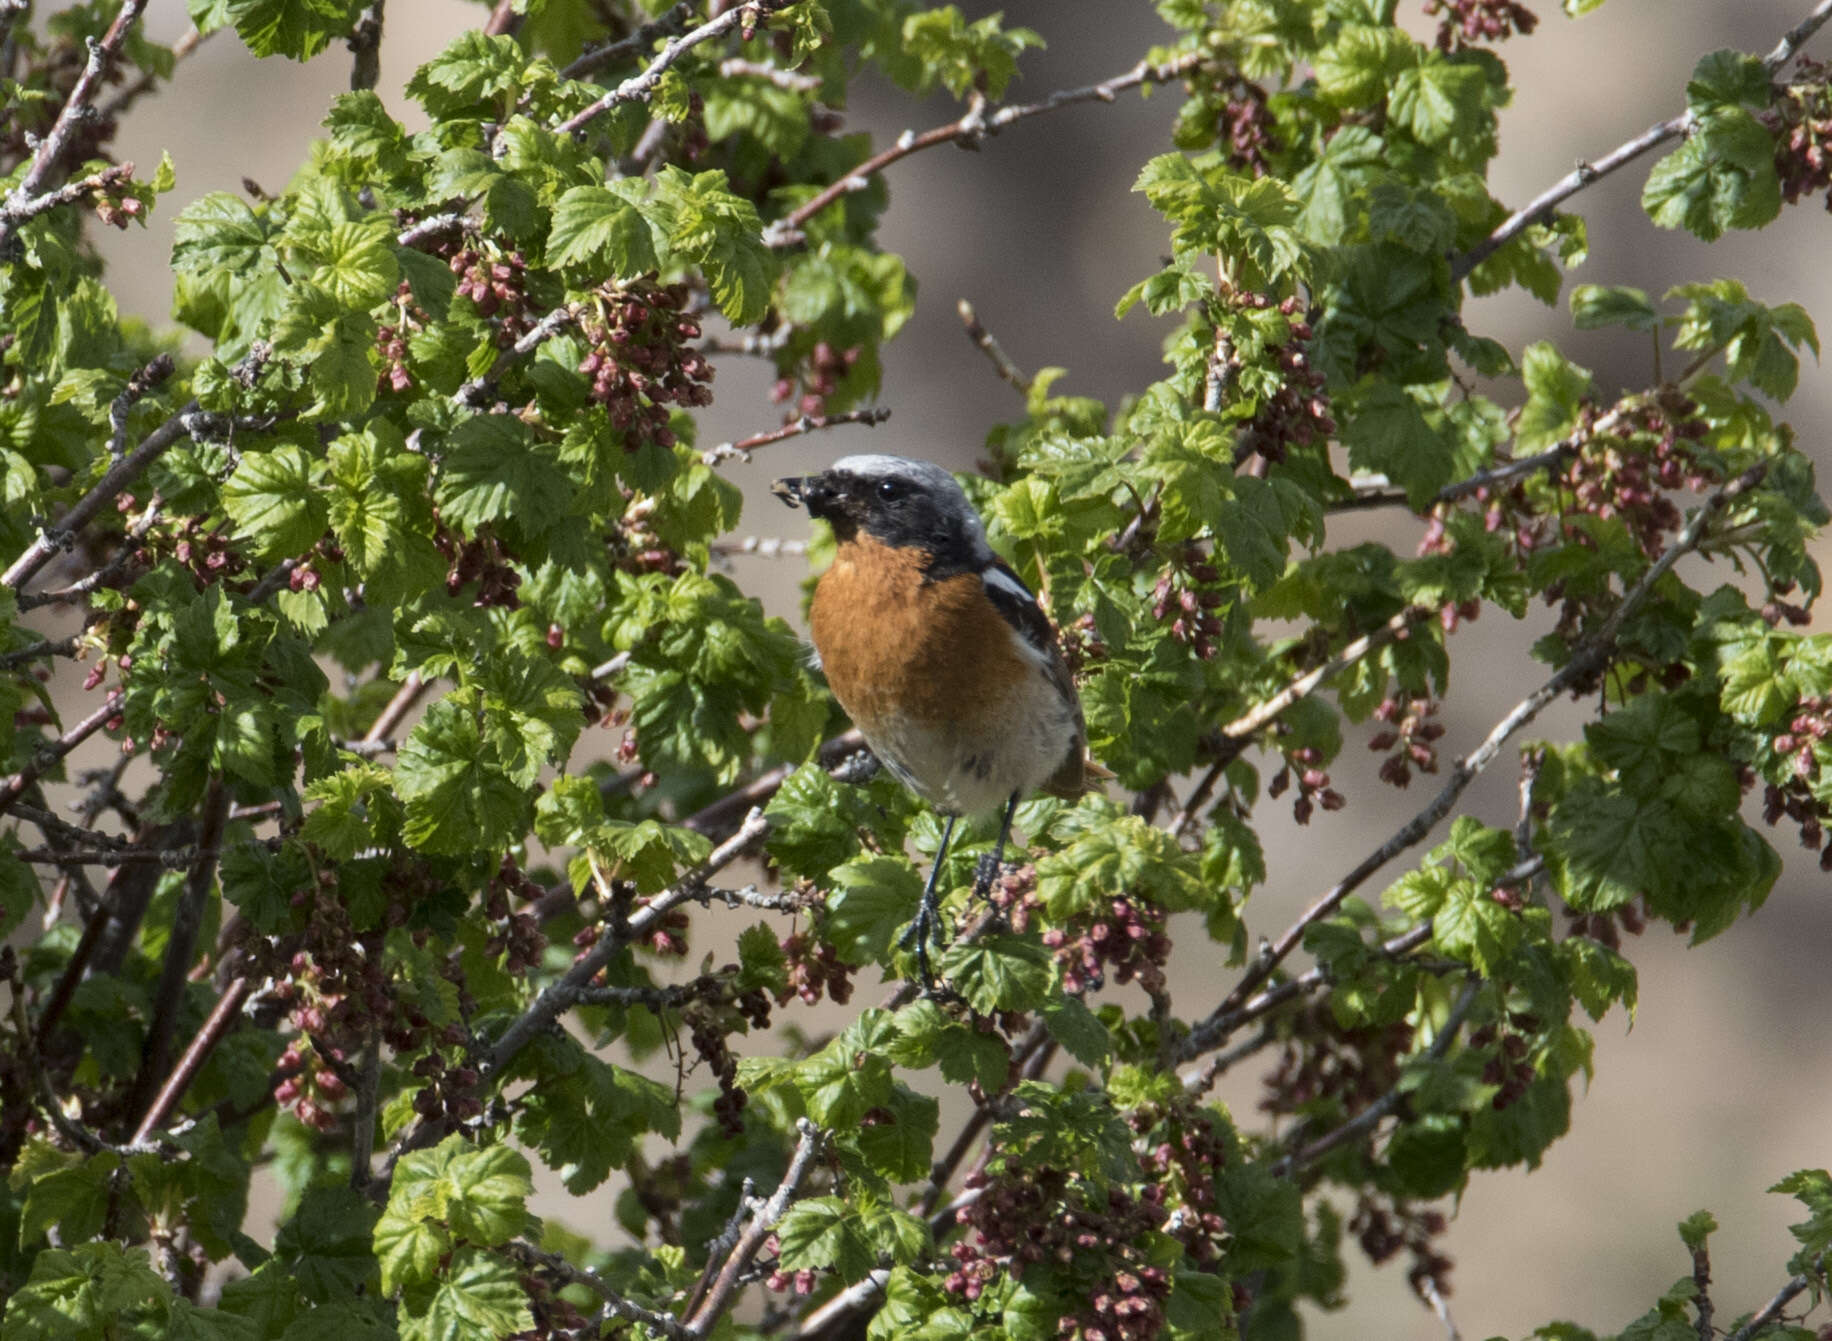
{"x": 719, "y": 1247}
{"x": 561, "y": 996}
{"x": 1250, "y": 722}
{"x": 529, "y": 1255}
{"x": 46, "y": 757}
{"x": 78, "y": 592}
{"x": 60, "y": 647}
{"x": 67, "y": 194}
{"x": 1220, "y": 1026}
{"x": 225, "y": 1013}
{"x": 396, "y": 710}
{"x": 642, "y": 39}
{"x": 57, "y": 537}
{"x": 362, "y": 1123}
{"x": 365, "y": 44}
{"x": 432, "y": 226}
{"x": 1772, "y": 1309}
{"x": 808, "y": 423}
{"x": 143, "y": 381}
{"x": 789, "y": 81}
{"x": 717, "y": 818}
{"x": 47, "y": 158}
{"x": 971, "y": 129}
{"x": 179, "y": 424}
{"x": 718, "y": 1299}
{"x": 1701, "y": 1291}
{"x": 1590, "y": 656}
{"x": 181, "y": 944}
{"x": 984, "y": 341}
{"x": 1370, "y": 1117}
{"x": 476, "y": 393}
{"x": 1539, "y": 209}
{"x": 640, "y": 87}
{"x": 1432, "y": 1295}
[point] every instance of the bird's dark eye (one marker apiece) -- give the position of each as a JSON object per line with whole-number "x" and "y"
{"x": 889, "y": 491}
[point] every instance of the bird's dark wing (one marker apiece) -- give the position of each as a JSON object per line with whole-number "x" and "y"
{"x": 1014, "y": 602}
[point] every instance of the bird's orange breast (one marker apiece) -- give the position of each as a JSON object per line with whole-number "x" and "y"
{"x": 898, "y": 646}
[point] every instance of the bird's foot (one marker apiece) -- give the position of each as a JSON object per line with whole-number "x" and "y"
{"x": 921, "y": 929}
{"x": 986, "y": 873}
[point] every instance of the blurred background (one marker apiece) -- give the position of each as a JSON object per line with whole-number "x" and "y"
{"x": 1725, "y": 1082}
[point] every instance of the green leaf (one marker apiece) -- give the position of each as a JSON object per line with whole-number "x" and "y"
{"x": 296, "y": 29}
{"x": 871, "y": 901}
{"x": 897, "y": 1139}
{"x": 1075, "y": 1027}
{"x": 476, "y": 1294}
{"x": 965, "y": 56}
{"x": 274, "y": 501}
{"x": 720, "y": 232}
{"x": 824, "y": 1234}
{"x": 1555, "y": 389}
{"x": 1388, "y": 434}
{"x": 1597, "y": 305}
{"x": 19, "y": 888}
{"x": 460, "y": 796}
{"x": 601, "y": 229}
{"x": 1721, "y": 177}
{"x": 1728, "y": 79}
{"x": 1000, "y": 972}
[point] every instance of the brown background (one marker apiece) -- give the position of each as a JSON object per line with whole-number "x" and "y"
{"x": 1725, "y": 1083}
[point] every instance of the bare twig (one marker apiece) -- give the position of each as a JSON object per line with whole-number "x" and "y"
{"x": 985, "y": 342}
{"x": 1772, "y": 1309}
{"x": 1370, "y": 1117}
{"x": 396, "y": 710}
{"x": 179, "y": 425}
{"x": 718, "y": 1298}
{"x": 1433, "y": 1296}
{"x": 560, "y": 996}
{"x": 741, "y": 450}
{"x": 365, "y": 45}
{"x": 971, "y": 129}
{"x": 47, "y": 159}
{"x": 716, "y": 1250}
{"x": 788, "y": 80}
{"x": 610, "y": 53}
{"x": 181, "y": 943}
{"x": 432, "y": 226}
{"x": 67, "y": 194}
{"x": 475, "y": 394}
{"x": 1219, "y": 1026}
{"x": 46, "y": 756}
{"x": 529, "y": 1255}
{"x": 1539, "y": 209}
{"x": 1701, "y": 1291}
{"x": 58, "y": 647}
{"x": 227, "y": 1008}
{"x": 362, "y": 1124}
{"x": 143, "y": 381}
{"x": 1249, "y": 722}
{"x": 1590, "y": 656}
{"x": 640, "y": 87}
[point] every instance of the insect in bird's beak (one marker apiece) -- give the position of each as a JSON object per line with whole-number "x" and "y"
{"x": 789, "y": 490}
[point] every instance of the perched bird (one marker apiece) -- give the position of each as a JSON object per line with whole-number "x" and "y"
{"x": 935, "y": 648}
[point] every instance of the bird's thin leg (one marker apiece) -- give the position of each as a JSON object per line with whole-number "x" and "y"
{"x": 928, "y": 912}
{"x": 987, "y": 870}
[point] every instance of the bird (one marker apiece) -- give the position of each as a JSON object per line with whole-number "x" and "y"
{"x": 939, "y": 653}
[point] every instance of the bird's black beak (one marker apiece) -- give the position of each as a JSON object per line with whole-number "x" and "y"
{"x": 817, "y": 493}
